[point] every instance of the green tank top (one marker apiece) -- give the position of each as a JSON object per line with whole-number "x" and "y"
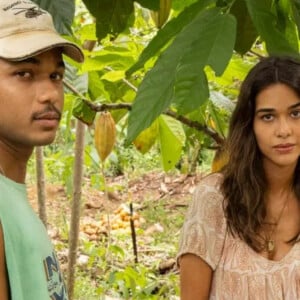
{"x": 33, "y": 268}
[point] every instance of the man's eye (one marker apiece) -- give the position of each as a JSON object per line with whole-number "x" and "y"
{"x": 24, "y": 74}
{"x": 267, "y": 117}
{"x": 57, "y": 76}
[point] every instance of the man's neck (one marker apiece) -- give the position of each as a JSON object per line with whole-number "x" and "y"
{"x": 13, "y": 162}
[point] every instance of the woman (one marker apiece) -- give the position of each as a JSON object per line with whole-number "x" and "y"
{"x": 240, "y": 239}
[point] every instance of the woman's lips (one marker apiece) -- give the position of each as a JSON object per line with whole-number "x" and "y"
{"x": 284, "y": 148}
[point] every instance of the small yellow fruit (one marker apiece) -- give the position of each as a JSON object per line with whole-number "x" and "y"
{"x": 220, "y": 160}
{"x": 105, "y": 134}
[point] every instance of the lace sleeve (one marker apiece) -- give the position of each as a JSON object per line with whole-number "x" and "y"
{"x": 203, "y": 232}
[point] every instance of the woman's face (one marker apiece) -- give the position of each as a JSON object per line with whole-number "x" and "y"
{"x": 277, "y": 125}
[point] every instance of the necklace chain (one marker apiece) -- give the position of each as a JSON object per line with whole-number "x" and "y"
{"x": 269, "y": 241}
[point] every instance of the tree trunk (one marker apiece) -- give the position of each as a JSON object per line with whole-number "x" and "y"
{"x": 40, "y": 174}
{"x": 76, "y": 206}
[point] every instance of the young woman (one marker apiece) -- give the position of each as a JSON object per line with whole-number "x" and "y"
{"x": 240, "y": 239}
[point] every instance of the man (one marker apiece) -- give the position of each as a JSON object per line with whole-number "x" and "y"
{"x": 31, "y": 103}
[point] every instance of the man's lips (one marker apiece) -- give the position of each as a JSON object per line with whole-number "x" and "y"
{"x": 49, "y": 115}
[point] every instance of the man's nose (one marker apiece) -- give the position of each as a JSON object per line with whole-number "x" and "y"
{"x": 49, "y": 91}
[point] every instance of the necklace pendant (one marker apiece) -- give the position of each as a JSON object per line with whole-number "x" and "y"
{"x": 270, "y": 245}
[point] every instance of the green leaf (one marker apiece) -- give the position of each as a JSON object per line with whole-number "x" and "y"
{"x": 296, "y": 12}
{"x": 285, "y": 22}
{"x": 156, "y": 90}
{"x": 190, "y": 91}
{"x": 150, "y": 4}
{"x": 265, "y": 23}
{"x": 221, "y": 101}
{"x": 62, "y": 11}
{"x": 112, "y": 16}
{"x": 246, "y": 32}
{"x": 113, "y": 76}
{"x": 172, "y": 140}
{"x": 96, "y": 88}
{"x": 168, "y": 32}
{"x": 218, "y": 32}
{"x": 101, "y": 60}
{"x": 83, "y": 112}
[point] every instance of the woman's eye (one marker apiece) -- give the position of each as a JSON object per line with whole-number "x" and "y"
{"x": 295, "y": 114}
{"x": 267, "y": 117}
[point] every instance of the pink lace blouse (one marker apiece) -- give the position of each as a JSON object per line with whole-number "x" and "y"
{"x": 239, "y": 272}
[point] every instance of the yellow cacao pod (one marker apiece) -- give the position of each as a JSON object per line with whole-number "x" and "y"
{"x": 220, "y": 160}
{"x": 161, "y": 16}
{"x": 105, "y": 134}
{"x": 146, "y": 139}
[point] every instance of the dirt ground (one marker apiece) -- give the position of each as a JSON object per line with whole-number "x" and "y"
{"x": 155, "y": 186}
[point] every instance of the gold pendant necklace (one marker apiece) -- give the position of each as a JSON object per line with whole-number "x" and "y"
{"x": 269, "y": 240}
{"x": 270, "y": 245}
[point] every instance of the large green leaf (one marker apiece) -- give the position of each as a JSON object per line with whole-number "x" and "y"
{"x": 172, "y": 139}
{"x": 296, "y": 12}
{"x": 156, "y": 90}
{"x": 265, "y": 23}
{"x": 218, "y": 32}
{"x": 246, "y": 32}
{"x": 191, "y": 90}
{"x": 62, "y": 12}
{"x": 112, "y": 16}
{"x": 164, "y": 35}
{"x": 285, "y": 21}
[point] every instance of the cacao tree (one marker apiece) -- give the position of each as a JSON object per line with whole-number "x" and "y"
{"x": 188, "y": 68}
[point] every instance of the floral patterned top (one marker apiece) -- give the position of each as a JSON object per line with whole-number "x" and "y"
{"x": 239, "y": 272}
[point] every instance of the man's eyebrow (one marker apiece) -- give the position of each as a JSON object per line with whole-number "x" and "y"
{"x": 36, "y": 61}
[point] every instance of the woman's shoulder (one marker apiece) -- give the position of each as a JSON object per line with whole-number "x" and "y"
{"x": 211, "y": 182}
{"x": 208, "y": 197}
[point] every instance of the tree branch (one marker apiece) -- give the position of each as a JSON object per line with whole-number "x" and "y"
{"x": 113, "y": 106}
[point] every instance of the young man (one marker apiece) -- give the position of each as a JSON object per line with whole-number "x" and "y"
{"x": 31, "y": 103}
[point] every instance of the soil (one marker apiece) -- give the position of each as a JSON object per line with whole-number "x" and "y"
{"x": 176, "y": 189}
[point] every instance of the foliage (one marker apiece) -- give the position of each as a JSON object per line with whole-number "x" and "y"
{"x": 180, "y": 67}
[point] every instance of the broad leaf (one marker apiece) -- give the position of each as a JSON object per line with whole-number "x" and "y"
{"x": 106, "y": 58}
{"x": 173, "y": 27}
{"x": 113, "y": 76}
{"x": 222, "y": 101}
{"x": 172, "y": 140}
{"x": 156, "y": 91}
{"x": 218, "y": 32}
{"x": 265, "y": 23}
{"x": 285, "y": 23}
{"x": 246, "y": 32}
{"x": 112, "y": 16}
{"x": 296, "y": 12}
{"x": 62, "y": 12}
{"x": 191, "y": 90}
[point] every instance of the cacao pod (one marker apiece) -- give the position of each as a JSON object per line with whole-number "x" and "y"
{"x": 105, "y": 134}
{"x": 220, "y": 160}
{"x": 146, "y": 139}
{"x": 161, "y": 16}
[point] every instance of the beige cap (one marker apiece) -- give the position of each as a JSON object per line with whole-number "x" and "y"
{"x": 26, "y": 30}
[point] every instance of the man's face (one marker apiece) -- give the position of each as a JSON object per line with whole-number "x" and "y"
{"x": 31, "y": 99}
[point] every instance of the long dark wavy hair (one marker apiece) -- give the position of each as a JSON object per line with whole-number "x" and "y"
{"x": 244, "y": 184}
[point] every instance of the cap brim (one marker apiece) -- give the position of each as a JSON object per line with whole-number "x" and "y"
{"x": 27, "y": 44}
